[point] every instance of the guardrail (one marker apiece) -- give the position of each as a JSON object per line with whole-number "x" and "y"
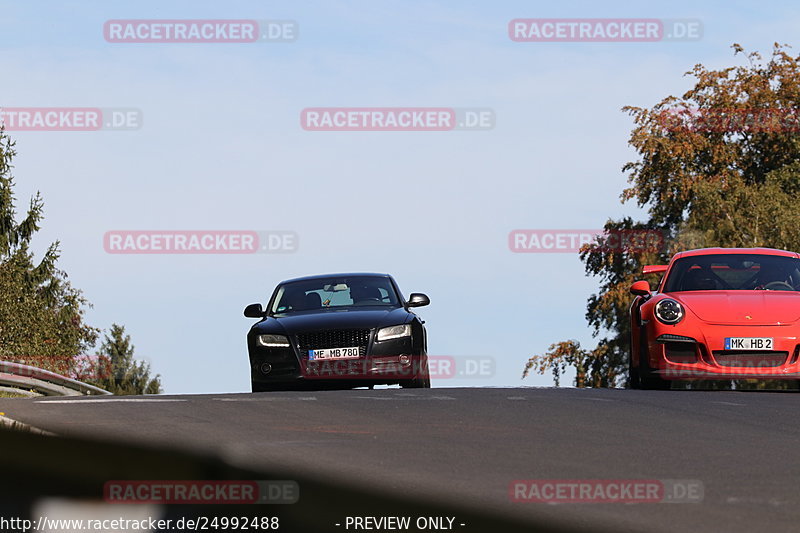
{"x": 29, "y": 381}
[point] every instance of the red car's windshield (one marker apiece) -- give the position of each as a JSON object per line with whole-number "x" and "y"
{"x": 739, "y": 272}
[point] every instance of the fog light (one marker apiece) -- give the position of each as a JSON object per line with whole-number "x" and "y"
{"x": 266, "y": 368}
{"x": 404, "y": 359}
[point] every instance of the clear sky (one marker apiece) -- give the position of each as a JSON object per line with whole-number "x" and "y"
{"x": 221, "y": 147}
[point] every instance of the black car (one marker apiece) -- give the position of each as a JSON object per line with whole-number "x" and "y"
{"x": 338, "y": 330}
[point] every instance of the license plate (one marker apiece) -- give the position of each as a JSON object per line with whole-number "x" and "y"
{"x": 334, "y": 353}
{"x": 748, "y": 343}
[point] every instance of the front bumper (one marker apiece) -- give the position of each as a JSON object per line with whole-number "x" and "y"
{"x": 387, "y": 362}
{"x": 706, "y": 357}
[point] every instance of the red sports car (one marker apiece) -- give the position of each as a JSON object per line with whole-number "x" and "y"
{"x": 718, "y": 313}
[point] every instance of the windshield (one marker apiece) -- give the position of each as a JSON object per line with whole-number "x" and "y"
{"x": 738, "y": 272}
{"x": 334, "y": 293}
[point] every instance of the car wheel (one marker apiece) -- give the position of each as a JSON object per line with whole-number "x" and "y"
{"x": 647, "y": 379}
{"x": 259, "y": 387}
{"x": 634, "y": 382}
{"x": 419, "y": 382}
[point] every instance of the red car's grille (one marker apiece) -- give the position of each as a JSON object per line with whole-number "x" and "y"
{"x": 337, "y": 338}
{"x": 750, "y": 359}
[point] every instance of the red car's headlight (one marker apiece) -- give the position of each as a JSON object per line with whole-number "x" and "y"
{"x": 669, "y": 311}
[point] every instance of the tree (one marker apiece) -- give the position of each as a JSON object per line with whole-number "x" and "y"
{"x": 719, "y": 166}
{"x": 41, "y": 314}
{"x": 116, "y": 370}
{"x": 561, "y": 355}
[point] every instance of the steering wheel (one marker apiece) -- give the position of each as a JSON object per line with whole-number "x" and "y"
{"x": 774, "y": 286}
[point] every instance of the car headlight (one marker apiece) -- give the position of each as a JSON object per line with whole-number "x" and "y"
{"x": 394, "y": 332}
{"x": 669, "y": 311}
{"x": 273, "y": 341}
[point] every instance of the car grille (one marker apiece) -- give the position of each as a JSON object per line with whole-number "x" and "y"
{"x": 680, "y": 352}
{"x": 338, "y": 338}
{"x": 750, "y": 359}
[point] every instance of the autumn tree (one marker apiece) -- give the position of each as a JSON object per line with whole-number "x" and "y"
{"x": 718, "y": 166}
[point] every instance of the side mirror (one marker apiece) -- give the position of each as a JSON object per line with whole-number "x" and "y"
{"x": 641, "y": 288}
{"x": 254, "y": 311}
{"x": 417, "y": 299}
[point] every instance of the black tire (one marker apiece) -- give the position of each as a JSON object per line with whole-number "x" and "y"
{"x": 422, "y": 381}
{"x": 256, "y": 386}
{"x": 634, "y": 381}
{"x": 648, "y": 380}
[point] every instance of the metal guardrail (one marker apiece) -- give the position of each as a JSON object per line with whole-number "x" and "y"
{"x": 21, "y": 379}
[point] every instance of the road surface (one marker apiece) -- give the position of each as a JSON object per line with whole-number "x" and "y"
{"x": 468, "y": 445}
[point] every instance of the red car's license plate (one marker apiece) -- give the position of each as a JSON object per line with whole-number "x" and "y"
{"x": 748, "y": 343}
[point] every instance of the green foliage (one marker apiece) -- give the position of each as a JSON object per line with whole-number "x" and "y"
{"x": 41, "y": 314}
{"x": 117, "y": 371}
{"x": 719, "y": 166}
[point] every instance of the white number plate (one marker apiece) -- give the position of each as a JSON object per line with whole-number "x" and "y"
{"x": 748, "y": 343}
{"x": 333, "y": 353}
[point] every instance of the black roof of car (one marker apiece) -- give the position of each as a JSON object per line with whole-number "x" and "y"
{"x": 340, "y": 275}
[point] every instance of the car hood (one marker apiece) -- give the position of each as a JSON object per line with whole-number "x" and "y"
{"x": 335, "y": 319}
{"x": 742, "y": 307}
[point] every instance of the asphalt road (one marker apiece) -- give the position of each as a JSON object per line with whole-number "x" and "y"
{"x": 469, "y": 445}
